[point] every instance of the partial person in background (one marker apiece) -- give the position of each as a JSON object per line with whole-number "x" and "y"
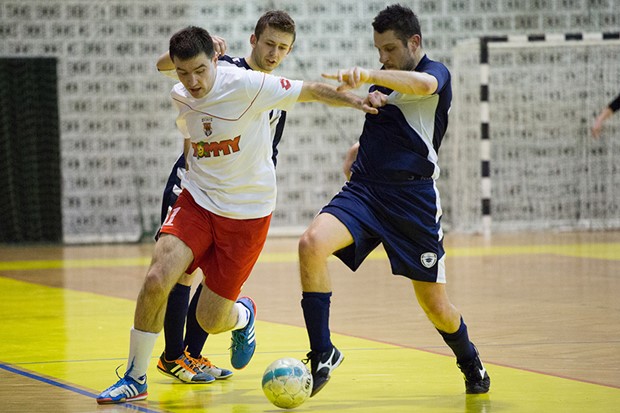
{"x": 220, "y": 220}
{"x": 391, "y": 197}
{"x": 605, "y": 114}
{"x": 271, "y": 42}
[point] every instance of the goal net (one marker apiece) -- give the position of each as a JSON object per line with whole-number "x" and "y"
{"x": 520, "y": 155}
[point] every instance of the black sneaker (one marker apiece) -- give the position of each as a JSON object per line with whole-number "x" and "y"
{"x": 321, "y": 365}
{"x": 477, "y": 379}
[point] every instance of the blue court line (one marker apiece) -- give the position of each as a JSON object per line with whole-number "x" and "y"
{"x": 70, "y": 388}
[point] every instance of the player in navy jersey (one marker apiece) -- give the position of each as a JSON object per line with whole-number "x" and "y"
{"x": 391, "y": 197}
{"x": 605, "y": 114}
{"x": 271, "y": 42}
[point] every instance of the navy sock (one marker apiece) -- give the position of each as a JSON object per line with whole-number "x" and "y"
{"x": 459, "y": 343}
{"x": 174, "y": 321}
{"x": 195, "y": 336}
{"x": 316, "y": 314}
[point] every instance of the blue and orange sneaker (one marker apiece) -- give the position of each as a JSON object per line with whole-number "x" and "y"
{"x": 183, "y": 369}
{"x": 207, "y": 367}
{"x": 243, "y": 341}
{"x": 127, "y": 389}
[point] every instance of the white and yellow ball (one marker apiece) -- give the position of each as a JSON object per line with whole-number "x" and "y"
{"x": 287, "y": 383}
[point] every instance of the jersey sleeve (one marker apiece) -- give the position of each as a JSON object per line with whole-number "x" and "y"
{"x": 278, "y": 93}
{"x": 614, "y": 105}
{"x": 439, "y": 72}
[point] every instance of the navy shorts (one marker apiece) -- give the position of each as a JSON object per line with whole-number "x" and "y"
{"x": 404, "y": 217}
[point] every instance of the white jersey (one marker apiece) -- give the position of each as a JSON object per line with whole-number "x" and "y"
{"x": 230, "y": 168}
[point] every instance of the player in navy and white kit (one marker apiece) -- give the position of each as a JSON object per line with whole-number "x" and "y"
{"x": 605, "y": 114}
{"x": 272, "y": 41}
{"x": 391, "y": 197}
{"x": 220, "y": 220}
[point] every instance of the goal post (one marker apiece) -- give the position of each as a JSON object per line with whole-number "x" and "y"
{"x": 519, "y": 155}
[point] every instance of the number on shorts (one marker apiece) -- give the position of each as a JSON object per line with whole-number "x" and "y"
{"x": 173, "y": 213}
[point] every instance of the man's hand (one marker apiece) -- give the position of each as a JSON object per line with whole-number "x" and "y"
{"x": 219, "y": 45}
{"x": 376, "y": 99}
{"x": 349, "y": 78}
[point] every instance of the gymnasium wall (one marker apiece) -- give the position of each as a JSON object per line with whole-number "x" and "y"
{"x": 118, "y": 140}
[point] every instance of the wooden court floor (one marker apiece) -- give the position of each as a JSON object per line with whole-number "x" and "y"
{"x": 542, "y": 308}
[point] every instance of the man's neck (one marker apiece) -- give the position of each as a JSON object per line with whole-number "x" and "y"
{"x": 250, "y": 61}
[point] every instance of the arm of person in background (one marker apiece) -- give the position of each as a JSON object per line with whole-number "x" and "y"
{"x": 324, "y": 93}
{"x": 166, "y": 66}
{"x": 403, "y": 81}
{"x": 375, "y": 99}
{"x": 349, "y": 158}
{"x": 605, "y": 114}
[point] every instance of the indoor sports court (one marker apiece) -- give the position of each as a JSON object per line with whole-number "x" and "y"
{"x": 541, "y": 310}
{"x": 530, "y": 200}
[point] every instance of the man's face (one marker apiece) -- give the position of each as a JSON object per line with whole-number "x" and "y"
{"x": 197, "y": 74}
{"x": 271, "y": 48}
{"x": 393, "y": 54}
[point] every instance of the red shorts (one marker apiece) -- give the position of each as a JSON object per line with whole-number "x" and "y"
{"x": 225, "y": 249}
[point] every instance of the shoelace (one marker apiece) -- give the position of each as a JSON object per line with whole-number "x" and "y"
{"x": 206, "y": 362}
{"x": 308, "y": 358}
{"x": 192, "y": 364}
{"x": 200, "y": 362}
{"x": 116, "y": 371}
{"x": 239, "y": 339}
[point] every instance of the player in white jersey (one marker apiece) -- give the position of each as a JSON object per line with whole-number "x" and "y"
{"x": 271, "y": 41}
{"x": 220, "y": 220}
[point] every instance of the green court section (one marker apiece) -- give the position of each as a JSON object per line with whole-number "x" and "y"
{"x": 77, "y": 339}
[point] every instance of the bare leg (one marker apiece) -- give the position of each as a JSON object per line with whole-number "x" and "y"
{"x": 170, "y": 259}
{"x": 434, "y": 300}
{"x": 214, "y": 313}
{"x": 325, "y": 235}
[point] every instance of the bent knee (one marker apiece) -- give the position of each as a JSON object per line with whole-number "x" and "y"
{"x": 310, "y": 246}
{"x": 436, "y": 309}
{"x": 154, "y": 284}
{"x": 212, "y": 326}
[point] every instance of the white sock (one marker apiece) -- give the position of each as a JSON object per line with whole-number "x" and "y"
{"x": 141, "y": 346}
{"x": 244, "y": 316}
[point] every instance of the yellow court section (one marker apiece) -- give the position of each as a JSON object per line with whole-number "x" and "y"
{"x": 605, "y": 251}
{"x": 73, "y": 341}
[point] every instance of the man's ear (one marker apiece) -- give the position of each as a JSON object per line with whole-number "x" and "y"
{"x": 253, "y": 40}
{"x": 414, "y": 42}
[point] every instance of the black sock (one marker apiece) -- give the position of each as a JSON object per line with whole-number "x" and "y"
{"x": 316, "y": 314}
{"x": 174, "y": 321}
{"x": 195, "y": 336}
{"x": 459, "y": 343}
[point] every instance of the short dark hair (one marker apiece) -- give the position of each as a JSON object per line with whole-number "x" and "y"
{"x": 279, "y": 20}
{"x": 402, "y": 20}
{"x": 190, "y": 42}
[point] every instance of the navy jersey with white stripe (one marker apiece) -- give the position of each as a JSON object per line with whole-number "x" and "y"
{"x": 403, "y": 139}
{"x": 392, "y": 198}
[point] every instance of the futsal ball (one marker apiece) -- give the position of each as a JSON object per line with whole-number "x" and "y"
{"x": 287, "y": 383}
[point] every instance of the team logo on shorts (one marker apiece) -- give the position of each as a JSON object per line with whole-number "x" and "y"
{"x": 428, "y": 259}
{"x": 206, "y": 126}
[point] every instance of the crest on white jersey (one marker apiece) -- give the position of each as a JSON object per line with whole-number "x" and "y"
{"x": 206, "y": 126}
{"x": 428, "y": 259}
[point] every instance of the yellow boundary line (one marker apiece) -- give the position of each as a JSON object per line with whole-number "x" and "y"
{"x": 605, "y": 251}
